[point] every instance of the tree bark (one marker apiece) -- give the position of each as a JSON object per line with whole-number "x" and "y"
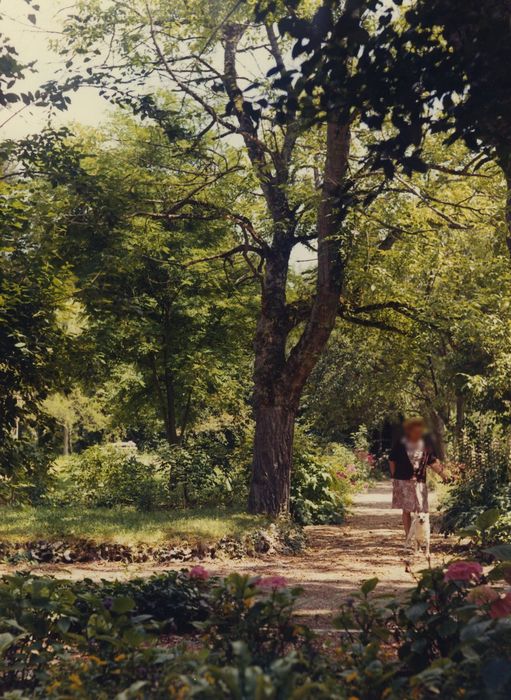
{"x": 279, "y": 381}
{"x": 506, "y": 166}
{"x": 273, "y": 450}
{"x": 170, "y": 413}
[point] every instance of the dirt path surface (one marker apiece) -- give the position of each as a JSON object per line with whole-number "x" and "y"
{"x": 337, "y": 559}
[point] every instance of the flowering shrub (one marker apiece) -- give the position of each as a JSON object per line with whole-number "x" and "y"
{"x": 271, "y": 583}
{"x": 199, "y": 572}
{"x": 254, "y": 611}
{"x": 323, "y": 479}
{"x": 450, "y": 638}
{"x": 464, "y": 571}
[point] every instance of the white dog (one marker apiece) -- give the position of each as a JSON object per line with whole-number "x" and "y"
{"x": 420, "y": 533}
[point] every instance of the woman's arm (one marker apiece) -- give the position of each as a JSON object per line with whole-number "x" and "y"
{"x": 392, "y": 466}
{"x": 438, "y": 468}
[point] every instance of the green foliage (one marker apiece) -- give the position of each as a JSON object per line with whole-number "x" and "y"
{"x": 262, "y": 623}
{"x": 108, "y": 475}
{"x": 26, "y": 472}
{"x": 324, "y": 476}
{"x": 449, "y": 634}
{"x": 478, "y": 504}
{"x": 212, "y": 467}
{"x": 173, "y": 599}
{"x": 59, "y": 639}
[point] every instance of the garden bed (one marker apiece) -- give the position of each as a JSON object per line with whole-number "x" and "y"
{"x": 47, "y": 535}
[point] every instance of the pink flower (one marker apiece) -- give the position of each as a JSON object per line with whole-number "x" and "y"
{"x": 364, "y": 456}
{"x": 340, "y": 475}
{"x": 501, "y": 607}
{"x": 464, "y": 571}
{"x": 271, "y": 583}
{"x": 199, "y": 572}
{"x": 481, "y": 595}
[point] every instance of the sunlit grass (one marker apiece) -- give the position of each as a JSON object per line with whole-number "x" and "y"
{"x": 121, "y": 525}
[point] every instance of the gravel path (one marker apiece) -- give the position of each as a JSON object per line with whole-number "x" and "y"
{"x": 337, "y": 559}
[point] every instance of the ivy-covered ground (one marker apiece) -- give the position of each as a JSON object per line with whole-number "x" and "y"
{"x": 332, "y": 565}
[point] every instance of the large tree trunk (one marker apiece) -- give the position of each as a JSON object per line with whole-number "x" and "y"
{"x": 273, "y": 450}
{"x": 278, "y": 378}
{"x": 279, "y": 381}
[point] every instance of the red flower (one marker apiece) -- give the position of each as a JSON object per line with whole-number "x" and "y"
{"x": 199, "y": 572}
{"x": 501, "y": 607}
{"x": 464, "y": 571}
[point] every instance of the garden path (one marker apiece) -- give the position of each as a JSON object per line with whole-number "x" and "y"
{"x": 337, "y": 559}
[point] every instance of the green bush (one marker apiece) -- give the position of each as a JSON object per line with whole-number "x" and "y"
{"x": 175, "y": 599}
{"x": 262, "y": 623}
{"x": 109, "y": 475}
{"x": 24, "y": 472}
{"x": 211, "y": 468}
{"x": 482, "y": 472}
{"x": 449, "y": 638}
{"x": 323, "y": 478}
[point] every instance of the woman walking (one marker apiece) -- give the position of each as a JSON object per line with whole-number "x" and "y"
{"x": 409, "y": 459}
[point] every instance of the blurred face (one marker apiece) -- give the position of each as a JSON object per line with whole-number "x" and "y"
{"x": 414, "y": 432}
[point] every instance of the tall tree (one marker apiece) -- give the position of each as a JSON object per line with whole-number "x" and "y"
{"x": 300, "y": 174}
{"x": 156, "y": 291}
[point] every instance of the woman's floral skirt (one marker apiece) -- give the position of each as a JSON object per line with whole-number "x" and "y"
{"x": 411, "y": 496}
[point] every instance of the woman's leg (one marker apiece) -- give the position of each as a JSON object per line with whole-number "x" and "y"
{"x": 407, "y": 521}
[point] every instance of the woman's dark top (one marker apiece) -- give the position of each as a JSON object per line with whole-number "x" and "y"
{"x": 404, "y": 468}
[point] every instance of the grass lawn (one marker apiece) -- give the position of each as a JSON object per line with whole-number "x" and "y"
{"x": 121, "y": 525}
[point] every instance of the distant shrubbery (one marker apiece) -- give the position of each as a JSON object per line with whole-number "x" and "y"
{"x": 108, "y": 475}
{"x": 26, "y": 475}
{"x": 212, "y": 468}
{"x": 323, "y": 478}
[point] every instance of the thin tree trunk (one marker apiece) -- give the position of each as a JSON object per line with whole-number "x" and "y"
{"x": 438, "y": 427}
{"x": 168, "y": 380}
{"x": 273, "y": 451}
{"x": 507, "y": 174}
{"x": 460, "y": 415}
{"x": 65, "y": 440}
{"x": 186, "y": 416}
{"x": 170, "y": 422}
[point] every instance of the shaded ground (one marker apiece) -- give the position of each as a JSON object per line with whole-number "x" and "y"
{"x": 337, "y": 559}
